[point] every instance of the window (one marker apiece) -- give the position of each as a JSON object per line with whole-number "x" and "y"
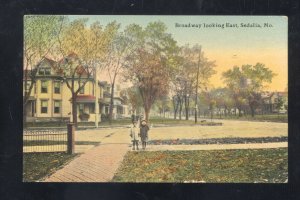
{"x": 81, "y": 91}
{"x": 28, "y": 84}
{"x": 57, "y": 87}
{"x": 92, "y": 108}
{"x": 44, "y": 88}
{"x": 47, "y": 71}
{"x": 44, "y": 106}
{"x": 41, "y": 71}
{"x": 44, "y": 71}
{"x": 56, "y": 107}
{"x": 81, "y": 107}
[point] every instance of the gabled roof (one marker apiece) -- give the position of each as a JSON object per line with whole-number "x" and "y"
{"x": 49, "y": 61}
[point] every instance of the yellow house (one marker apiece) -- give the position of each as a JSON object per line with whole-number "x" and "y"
{"x": 50, "y": 98}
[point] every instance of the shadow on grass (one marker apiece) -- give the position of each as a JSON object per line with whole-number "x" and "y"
{"x": 215, "y": 166}
{"x": 38, "y": 165}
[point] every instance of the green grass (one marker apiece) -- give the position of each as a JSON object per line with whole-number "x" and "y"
{"x": 270, "y": 118}
{"x": 38, "y": 165}
{"x": 166, "y": 121}
{"x": 46, "y": 143}
{"x": 119, "y": 122}
{"x": 216, "y": 166}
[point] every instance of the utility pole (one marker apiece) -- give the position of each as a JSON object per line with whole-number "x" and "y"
{"x": 197, "y": 85}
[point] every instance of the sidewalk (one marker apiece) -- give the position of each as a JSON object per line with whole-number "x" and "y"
{"x": 99, "y": 163}
{"x": 95, "y": 165}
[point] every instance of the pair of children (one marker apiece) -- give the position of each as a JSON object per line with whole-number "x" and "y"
{"x": 142, "y": 132}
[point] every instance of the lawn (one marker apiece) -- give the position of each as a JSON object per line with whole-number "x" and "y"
{"x": 38, "y": 165}
{"x": 216, "y": 166}
{"x": 167, "y": 121}
{"x": 55, "y": 142}
{"x": 120, "y": 122}
{"x": 270, "y": 118}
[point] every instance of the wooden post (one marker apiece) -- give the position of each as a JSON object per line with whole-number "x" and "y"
{"x": 70, "y": 142}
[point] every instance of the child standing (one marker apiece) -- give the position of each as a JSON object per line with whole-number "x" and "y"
{"x": 134, "y": 135}
{"x": 144, "y": 133}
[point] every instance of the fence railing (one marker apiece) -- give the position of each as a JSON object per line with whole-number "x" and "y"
{"x": 45, "y": 141}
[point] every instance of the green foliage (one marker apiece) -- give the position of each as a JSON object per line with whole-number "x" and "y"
{"x": 40, "y": 35}
{"x": 134, "y": 97}
{"x": 38, "y": 165}
{"x": 279, "y": 103}
{"x": 215, "y": 166}
{"x": 248, "y": 77}
{"x": 246, "y": 83}
{"x": 84, "y": 116}
{"x": 151, "y": 60}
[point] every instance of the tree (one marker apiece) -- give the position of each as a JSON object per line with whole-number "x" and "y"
{"x": 40, "y": 36}
{"x": 75, "y": 75}
{"x": 163, "y": 105}
{"x": 83, "y": 49}
{"x": 194, "y": 73}
{"x": 246, "y": 83}
{"x": 279, "y": 103}
{"x": 211, "y": 102}
{"x": 116, "y": 61}
{"x": 134, "y": 98}
{"x": 151, "y": 62}
{"x": 219, "y": 96}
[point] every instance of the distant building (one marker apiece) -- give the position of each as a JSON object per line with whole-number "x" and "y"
{"x": 120, "y": 107}
{"x": 270, "y": 101}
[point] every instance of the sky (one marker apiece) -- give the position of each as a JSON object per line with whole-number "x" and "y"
{"x": 228, "y": 45}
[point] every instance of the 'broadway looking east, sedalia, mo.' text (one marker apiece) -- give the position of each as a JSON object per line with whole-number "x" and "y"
{"x": 223, "y": 25}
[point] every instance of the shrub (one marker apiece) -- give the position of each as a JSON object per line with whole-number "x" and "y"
{"x": 84, "y": 116}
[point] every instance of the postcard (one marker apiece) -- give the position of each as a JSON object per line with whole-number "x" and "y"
{"x": 148, "y": 98}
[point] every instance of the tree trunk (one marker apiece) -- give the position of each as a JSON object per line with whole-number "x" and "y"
{"x": 74, "y": 110}
{"x": 252, "y": 111}
{"x": 147, "y": 112}
{"x": 186, "y": 105}
{"x": 175, "y": 106}
{"x": 111, "y": 102}
{"x": 240, "y": 113}
{"x": 24, "y": 115}
{"x": 186, "y": 114}
{"x": 180, "y": 109}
